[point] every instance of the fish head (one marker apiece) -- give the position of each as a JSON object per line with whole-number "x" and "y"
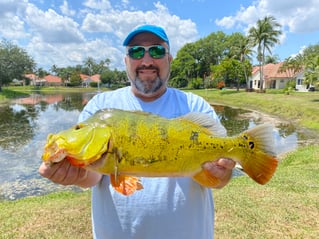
{"x": 81, "y": 145}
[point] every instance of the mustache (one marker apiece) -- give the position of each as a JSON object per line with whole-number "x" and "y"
{"x": 147, "y": 68}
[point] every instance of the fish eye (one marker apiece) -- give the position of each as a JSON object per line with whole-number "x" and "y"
{"x": 78, "y": 126}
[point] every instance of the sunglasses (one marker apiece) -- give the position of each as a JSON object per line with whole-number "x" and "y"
{"x": 155, "y": 51}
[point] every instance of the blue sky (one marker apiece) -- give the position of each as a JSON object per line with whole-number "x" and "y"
{"x": 65, "y": 32}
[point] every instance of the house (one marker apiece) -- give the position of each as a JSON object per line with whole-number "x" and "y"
{"x": 51, "y": 80}
{"x": 34, "y": 79}
{"x": 86, "y": 80}
{"x": 48, "y": 80}
{"x": 301, "y": 85}
{"x": 273, "y": 77}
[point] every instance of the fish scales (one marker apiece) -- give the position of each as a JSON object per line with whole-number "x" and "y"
{"x": 159, "y": 147}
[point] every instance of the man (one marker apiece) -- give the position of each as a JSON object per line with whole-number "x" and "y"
{"x": 167, "y": 208}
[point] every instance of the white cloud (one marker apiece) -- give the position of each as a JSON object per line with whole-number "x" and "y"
{"x": 52, "y": 27}
{"x": 74, "y": 53}
{"x": 66, "y": 10}
{"x": 121, "y": 22}
{"x": 296, "y": 16}
{"x": 98, "y": 4}
{"x": 11, "y": 24}
{"x": 66, "y": 36}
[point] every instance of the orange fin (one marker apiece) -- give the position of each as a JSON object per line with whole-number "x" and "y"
{"x": 205, "y": 178}
{"x": 125, "y": 185}
{"x": 261, "y": 164}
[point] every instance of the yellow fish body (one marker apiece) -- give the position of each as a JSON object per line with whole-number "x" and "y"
{"x": 125, "y": 144}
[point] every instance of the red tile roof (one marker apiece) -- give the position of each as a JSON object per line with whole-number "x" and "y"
{"x": 94, "y": 78}
{"x": 84, "y": 77}
{"x": 53, "y": 79}
{"x": 273, "y": 71}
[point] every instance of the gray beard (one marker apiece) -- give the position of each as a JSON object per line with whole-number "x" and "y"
{"x": 146, "y": 89}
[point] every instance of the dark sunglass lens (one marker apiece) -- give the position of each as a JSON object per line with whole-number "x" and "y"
{"x": 136, "y": 52}
{"x": 157, "y": 51}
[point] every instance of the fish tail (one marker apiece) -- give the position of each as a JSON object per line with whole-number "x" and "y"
{"x": 261, "y": 163}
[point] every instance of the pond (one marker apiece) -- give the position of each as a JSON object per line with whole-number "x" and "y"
{"x": 26, "y": 122}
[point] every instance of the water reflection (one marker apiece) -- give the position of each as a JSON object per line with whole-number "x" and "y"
{"x": 237, "y": 120}
{"x": 25, "y": 124}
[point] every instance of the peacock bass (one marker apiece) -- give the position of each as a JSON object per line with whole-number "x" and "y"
{"x": 131, "y": 144}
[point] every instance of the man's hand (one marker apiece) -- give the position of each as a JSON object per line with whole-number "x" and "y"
{"x": 215, "y": 174}
{"x": 221, "y": 169}
{"x": 66, "y": 174}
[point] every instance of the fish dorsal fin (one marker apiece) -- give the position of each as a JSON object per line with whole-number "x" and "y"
{"x": 206, "y": 121}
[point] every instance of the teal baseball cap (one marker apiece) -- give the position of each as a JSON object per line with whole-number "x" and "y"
{"x": 156, "y": 30}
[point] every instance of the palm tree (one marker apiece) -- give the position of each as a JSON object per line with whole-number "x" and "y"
{"x": 245, "y": 51}
{"x": 312, "y": 70}
{"x": 242, "y": 51}
{"x": 265, "y": 35}
{"x": 292, "y": 65}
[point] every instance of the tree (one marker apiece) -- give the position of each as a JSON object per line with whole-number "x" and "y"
{"x": 312, "y": 70}
{"x": 75, "y": 79}
{"x": 194, "y": 60}
{"x": 241, "y": 49}
{"x": 271, "y": 59}
{"x": 41, "y": 72}
{"x": 308, "y": 61}
{"x": 14, "y": 63}
{"x": 291, "y": 66}
{"x": 92, "y": 67}
{"x": 230, "y": 71}
{"x": 264, "y": 36}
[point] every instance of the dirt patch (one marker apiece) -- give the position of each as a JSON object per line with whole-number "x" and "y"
{"x": 264, "y": 118}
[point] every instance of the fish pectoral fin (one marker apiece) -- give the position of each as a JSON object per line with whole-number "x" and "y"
{"x": 125, "y": 185}
{"x": 206, "y": 179}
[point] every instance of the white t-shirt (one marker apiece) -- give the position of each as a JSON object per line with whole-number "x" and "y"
{"x": 167, "y": 208}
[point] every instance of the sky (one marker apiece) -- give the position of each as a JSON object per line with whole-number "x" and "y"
{"x": 65, "y": 32}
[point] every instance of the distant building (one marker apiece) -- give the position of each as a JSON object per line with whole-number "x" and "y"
{"x": 48, "y": 80}
{"x": 51, "y": 80}
{"x": 86, "y": 80}
{"x": 273, "y": 77}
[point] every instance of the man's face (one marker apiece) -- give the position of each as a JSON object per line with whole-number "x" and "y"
{"x": 148, "y": 75}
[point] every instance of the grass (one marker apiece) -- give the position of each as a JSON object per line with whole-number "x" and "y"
{"x": 24, "y": 91}
{"x": 300, "y": 107}
{"x": 286, "y": 207}
{"x": 57, "y": 215}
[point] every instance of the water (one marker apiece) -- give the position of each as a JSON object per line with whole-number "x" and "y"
{"x": 25, "y": 124}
